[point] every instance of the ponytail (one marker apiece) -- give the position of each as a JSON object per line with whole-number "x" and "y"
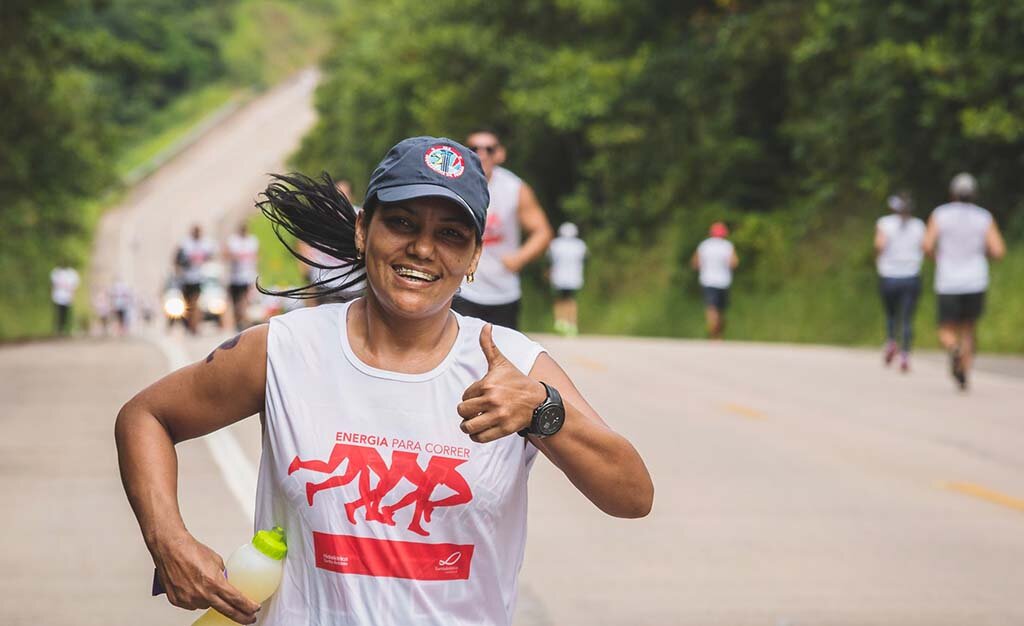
{"x": 314, "y": 211}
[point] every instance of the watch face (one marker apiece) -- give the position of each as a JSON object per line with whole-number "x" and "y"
{"x": 550, "y": 420}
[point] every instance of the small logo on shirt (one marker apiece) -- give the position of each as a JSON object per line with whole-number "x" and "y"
{"x": 445, "y": 160}
{"x": 451, "y": 560}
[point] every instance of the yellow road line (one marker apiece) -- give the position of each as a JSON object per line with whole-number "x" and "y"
{"x": 744, "y": 411}
{"x": 986, "y": 494}
{"x": 590, "y": 364}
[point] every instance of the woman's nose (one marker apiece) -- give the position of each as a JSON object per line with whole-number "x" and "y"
{"x": 422, "y": 246}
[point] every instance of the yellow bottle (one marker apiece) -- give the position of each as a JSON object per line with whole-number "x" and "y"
{"x": 255, "y": 569}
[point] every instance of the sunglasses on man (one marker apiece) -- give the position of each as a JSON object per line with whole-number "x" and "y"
{"x": 491, "y": 149}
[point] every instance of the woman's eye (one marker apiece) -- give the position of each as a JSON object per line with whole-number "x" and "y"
{"x": 454, "y": 234}
{"x": 399, "y": 222}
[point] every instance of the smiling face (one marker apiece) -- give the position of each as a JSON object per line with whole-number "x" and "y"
{"x": 417, "y": 253}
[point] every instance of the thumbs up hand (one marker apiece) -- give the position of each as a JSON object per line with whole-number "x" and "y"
{"x": 502, "y": 402}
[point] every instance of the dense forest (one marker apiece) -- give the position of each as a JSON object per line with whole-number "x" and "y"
{"x": 84, "y": 83}
{"x": 642, "y": 121}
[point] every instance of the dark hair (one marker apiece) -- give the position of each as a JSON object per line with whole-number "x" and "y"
{"x": 484, "y": 130}
{"x": 314, "y": 211}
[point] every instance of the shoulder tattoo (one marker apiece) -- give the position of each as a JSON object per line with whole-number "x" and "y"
{"x": 227, "y": 345}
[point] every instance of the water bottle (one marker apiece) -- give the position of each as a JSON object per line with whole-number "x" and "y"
{"x": 254, "y": 569}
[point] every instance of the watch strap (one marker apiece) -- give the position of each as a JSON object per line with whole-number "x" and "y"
{"x": 553, "y": 398}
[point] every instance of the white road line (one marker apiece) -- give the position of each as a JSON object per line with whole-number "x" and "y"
{"x": 239, "y": 474}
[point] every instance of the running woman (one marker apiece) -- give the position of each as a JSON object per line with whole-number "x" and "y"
{"x": 493, "y": 293}
{"x": 63, "y": 284}
{"x": 961, "y": 237}
{"x": 242, "y": 251}
{"x": 567, "y": 253}
{"x": 193, "y": 252}
{"x": 397, "y": 435}
{"x": 898, "y": 248}
{"x": 715, "y": 259}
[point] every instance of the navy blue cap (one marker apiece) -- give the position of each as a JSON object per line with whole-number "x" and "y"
{"x": 439, "y": 167}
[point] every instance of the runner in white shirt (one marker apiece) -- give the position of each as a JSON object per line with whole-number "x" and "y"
{"x": 493, "y": 293}
{"x": 63, "y": 284}
{"x": 715, "y": 259}
{"x": 898, "y": 246}
{"x": 961, "y": 237}
{"x": 121, "y": 300}
{"x": 390, "y": 447}
{"x": 567, "y": 253}
{"x": 101, "y": 309}
{"x": 189, "y": 258}
{"x": 242, "y": 251}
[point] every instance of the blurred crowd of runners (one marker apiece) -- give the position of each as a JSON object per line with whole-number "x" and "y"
{"x": 208, "y": 283}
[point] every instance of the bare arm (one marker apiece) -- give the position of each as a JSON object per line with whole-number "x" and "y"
{"x": 602, "y": 464}
{"x": 931, "y": 236}
{"x": 198, "y": 399}
{"x": 734, "y": 260}
{"x": 695, "y": 261}
{"x": 879, "y": 241}
{"x": 995, "y": 247}
{"x": 534, "y": 221}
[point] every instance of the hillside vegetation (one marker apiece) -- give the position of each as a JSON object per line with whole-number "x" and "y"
{"x": 644, "y": 121}
{"x": 95, "y": 92}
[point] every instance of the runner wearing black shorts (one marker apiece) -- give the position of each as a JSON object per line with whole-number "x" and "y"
{"x": 716, "y": 297}
{"x": 961, "y": 307}
{"x": 962, "y": 237}
{"x": 715, "y": 259}
{"x": 506, "y": 315}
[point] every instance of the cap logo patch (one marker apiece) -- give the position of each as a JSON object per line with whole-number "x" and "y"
{"x": 445, "y": 160}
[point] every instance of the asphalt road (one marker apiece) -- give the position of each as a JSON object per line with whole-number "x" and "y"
{"x": 795, "y": 485}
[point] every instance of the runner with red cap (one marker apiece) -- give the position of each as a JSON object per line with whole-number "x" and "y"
{"x": 715, "y": 259}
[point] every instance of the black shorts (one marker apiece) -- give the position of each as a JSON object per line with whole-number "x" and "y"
{"x": 238, "y": 291}
{"x": 190, "y": 291}
{"x": 961, "y": 307}
{"x": 506, "y": 315}
{"x": 565, "y": 294}
{"x": 716, "y": 298}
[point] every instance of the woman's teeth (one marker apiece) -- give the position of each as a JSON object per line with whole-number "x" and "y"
{"x": 407, "y": 272}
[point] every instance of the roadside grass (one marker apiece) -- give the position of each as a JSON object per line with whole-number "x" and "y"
{"x": 169, "y": 126}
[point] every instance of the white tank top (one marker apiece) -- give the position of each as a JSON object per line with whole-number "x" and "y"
{"x": 393, "y": 515}
{"x": 902, "y": 255}
{"x": 64, "y": 282}
{"x": 715, "y": 257}
{"x": 493, "y": 283}
{"x": 960, "y": 262}
{"x": 243, "y": 253}
{"x": 567, "y": 254}
{"x": 197, "y": 252}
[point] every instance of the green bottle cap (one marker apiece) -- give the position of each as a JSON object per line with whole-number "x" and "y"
{"x": 271, "y": 542}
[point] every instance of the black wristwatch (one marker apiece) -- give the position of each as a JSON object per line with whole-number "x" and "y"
{"x": 548, "y": 417}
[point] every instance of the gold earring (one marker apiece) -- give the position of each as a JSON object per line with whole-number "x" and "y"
{"x": 359, "y": 254}
{"x": 470, "y": 277}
